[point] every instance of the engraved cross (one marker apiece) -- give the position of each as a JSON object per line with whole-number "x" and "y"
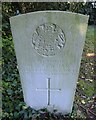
{"x": 49, "y": 89}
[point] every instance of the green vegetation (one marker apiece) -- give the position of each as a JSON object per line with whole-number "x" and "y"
{"x": 13, "y": 107}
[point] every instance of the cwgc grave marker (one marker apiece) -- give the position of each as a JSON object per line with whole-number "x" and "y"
{"x": 49, "y": 47}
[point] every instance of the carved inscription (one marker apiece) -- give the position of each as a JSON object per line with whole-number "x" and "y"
{"x": 48, "y": 39}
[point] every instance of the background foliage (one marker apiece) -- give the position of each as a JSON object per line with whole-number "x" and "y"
{"x": 13, "y": 106}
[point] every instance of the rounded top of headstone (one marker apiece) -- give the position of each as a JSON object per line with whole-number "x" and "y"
{"x": 49, "y": 11}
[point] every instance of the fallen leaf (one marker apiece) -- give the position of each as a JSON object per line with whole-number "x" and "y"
{"x": 82, "y": 101}
{"x": 90, "y": 54}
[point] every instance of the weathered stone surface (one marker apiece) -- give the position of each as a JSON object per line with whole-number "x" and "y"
{"x": 49, "y": 47}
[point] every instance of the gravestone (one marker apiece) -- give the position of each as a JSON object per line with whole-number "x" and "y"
{"x": 49, "y": 47}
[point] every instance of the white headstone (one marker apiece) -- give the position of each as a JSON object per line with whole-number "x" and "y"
{"x": 49, "y": 47}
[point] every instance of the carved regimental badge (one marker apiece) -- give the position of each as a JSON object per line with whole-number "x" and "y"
{"x": 48, "y": 39}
